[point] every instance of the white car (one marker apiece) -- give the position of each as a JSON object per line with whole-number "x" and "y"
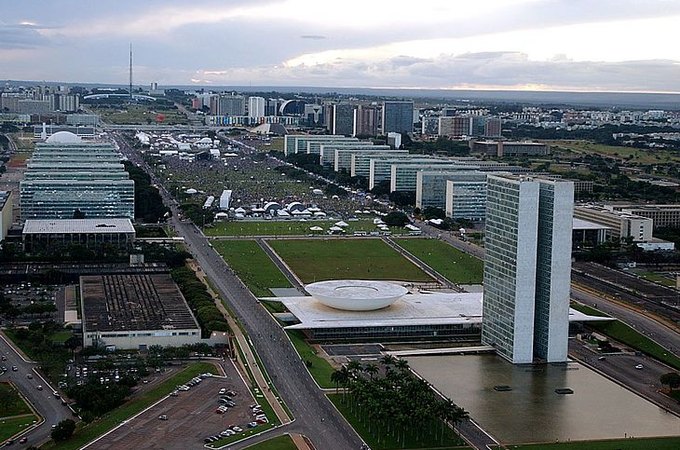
{"x": 639, "y": 367}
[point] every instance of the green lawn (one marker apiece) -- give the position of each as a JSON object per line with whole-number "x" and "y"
{"x": 637, "y": 155}
{"x": 114, "y": 418}
{"x": 655, "y": 277}
{"x": 318, "y": 367}
{"x": 11, "y": 403}
{"x": 623, "y": 333}
{"x": 141, "y": 114}
{"x": 10, "y": 427}
{"x": 672, "y": 443}
{"x": 427, "y": 440}
{"x": 278, "y": 443}
{"x": 252, "y": 265}
{"x": 585, "y": 309}
{"x": 287, "y": 228}
{"x": 456, "y": 266}
{"x": 337, "y": 259}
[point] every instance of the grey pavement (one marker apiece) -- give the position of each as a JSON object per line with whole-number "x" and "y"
{"x": 42, "y": 401}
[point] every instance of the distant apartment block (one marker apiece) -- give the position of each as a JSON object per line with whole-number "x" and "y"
{"x": 366, "y": 121}
{"x": 343, "y": 119}
{"x": 228, "y": 105}
{"x": 256, "y": 107}
{"x": 456, "y": 126}
{"x": 397, "y": 117}
{"x": 429, "y": 126}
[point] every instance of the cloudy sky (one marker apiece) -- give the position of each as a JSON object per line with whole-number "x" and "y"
{"x": 581, "y": 45}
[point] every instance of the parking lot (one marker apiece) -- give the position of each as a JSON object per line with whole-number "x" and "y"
{"x": 190, "y": 417}
{"x": 32, "y": 301}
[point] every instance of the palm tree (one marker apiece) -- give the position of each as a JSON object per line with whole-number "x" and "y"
{"x": 371, "y": 370}
{"x": 340, "y": 377}
{"x": 388, "y": 360}
{"x": 402, "y": 365}
{"x": 354, "y": 367}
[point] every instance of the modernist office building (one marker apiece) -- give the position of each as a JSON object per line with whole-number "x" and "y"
{"x": 66, "y": 175}
{"x": 342, "y": 122}
{"x": 397, "y": 117}
{"x": 527, "y": 268}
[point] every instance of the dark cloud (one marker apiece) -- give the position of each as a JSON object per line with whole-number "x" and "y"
{"x": 313, "y": 36}
{"x": 21, "y": 36}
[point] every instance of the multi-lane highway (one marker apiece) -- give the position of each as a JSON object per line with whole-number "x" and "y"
{"x": 46, "y": 404}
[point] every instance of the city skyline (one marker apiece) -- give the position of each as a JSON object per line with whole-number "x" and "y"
{"x": 509, "y": 45}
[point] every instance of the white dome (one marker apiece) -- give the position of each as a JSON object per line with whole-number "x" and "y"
{"x": 64, "y": 137}
{"x": 356, "y": 295}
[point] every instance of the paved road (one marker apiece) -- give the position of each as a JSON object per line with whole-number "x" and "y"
{"x": 315, "y": 415}
{"x": 43, "y": 401}
{"x": 621, "y": 368}
{"x": 650, "y": 327}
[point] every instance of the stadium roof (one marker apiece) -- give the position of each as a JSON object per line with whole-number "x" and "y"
{"x": 71, "y": 226}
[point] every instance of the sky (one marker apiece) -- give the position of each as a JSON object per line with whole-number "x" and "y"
{"x": 562, "y": 45}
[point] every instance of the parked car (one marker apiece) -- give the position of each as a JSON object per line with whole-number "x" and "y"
{"x": 639, "y": 367}
{"x": 163, "y": 417}
{"x": 39, "y": 387}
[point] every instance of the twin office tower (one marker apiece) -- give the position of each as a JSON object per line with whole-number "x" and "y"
{"x": 527, "y": 268}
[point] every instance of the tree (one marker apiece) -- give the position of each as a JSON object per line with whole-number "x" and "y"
{"x": 671, "y": 379}
{"x": 64, "y": 430}
{"x": 396, "y": 219}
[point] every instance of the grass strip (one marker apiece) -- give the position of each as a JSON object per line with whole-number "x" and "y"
{"x": 278, "y": 443}
{"x": 319, "y": 368}
{"x": 89, "y": 432}
{"x": 10, "y": 427}
{"x": 585, "y": 309}
{"x": 627, "y": 335}
{"x": 11, "y": 402}
{"x": 454, "y": 265}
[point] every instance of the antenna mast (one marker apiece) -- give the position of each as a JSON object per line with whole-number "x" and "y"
{"x": 130, "y": 70}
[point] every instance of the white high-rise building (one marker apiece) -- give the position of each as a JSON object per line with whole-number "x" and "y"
{"x": 527, "y": 268}
{"x": 256, "y": 106}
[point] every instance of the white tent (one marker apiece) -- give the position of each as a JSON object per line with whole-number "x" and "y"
{"x": 316, "y": 228}
{"x": 341, "y": 224}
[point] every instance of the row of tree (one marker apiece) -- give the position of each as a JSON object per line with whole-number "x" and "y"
{"x": 200, "y": 301}
{"x": 149, "y": 205}
{"x": 391, "y": 400}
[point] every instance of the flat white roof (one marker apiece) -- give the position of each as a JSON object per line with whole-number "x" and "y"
{"x": 580, "y": 224}
{"x": 425, "y": 308}
{"x": 68, "y": 226}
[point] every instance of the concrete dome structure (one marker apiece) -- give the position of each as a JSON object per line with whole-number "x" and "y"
{"x": 356, "y": 295}
{"x": 64, "y": 137}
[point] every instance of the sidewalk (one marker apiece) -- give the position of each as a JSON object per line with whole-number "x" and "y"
{"x": 255, "y": 369}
